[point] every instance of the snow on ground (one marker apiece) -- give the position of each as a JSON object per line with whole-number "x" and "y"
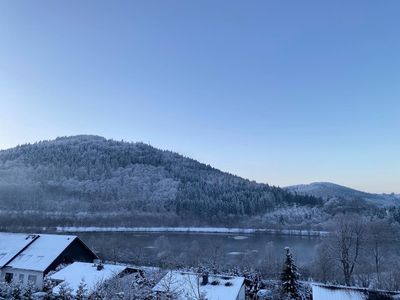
{"x": 193, "y": 230}
{"x": 324, "y": 293}
{"x": 240, "y": 237}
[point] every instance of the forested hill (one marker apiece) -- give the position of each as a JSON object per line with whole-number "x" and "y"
{"x": 328, "y": 190}
{"x": 92, "y": 174}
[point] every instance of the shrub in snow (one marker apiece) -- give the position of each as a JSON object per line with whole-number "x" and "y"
{"x": 264, "y": 295}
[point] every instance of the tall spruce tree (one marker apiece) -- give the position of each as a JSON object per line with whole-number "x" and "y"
{"x": 290, "y": 286}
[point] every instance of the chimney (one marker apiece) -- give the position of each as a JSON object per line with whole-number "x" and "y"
{"x": 99, "y": 266}
{"x": 204, "y": 278}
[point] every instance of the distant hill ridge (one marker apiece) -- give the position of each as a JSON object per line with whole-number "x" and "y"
{"x": 92, "y": 174}
{"x": 328, "y": 190}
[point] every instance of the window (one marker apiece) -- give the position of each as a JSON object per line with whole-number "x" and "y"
{"x": 8, "y": 278}
{"x": 32, "y": 279}
{"x": 21, "y": 278}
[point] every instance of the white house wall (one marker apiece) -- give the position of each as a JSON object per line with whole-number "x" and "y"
{"x": 21, "y": 275}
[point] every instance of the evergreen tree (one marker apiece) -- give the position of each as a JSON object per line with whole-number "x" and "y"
{"x": 64, "y": 292}
{"x": 5, "y": 290}
{"x": 82, "y": 292}
{"x": 16, "y": 292}
{"x": 28, "y": 291}
{"x": 98, "y": 294}
{"x": 48, "y": 286}
{"x": 290, "y": 286}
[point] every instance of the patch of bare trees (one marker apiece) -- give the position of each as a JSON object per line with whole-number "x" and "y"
{"x": 360, "y": 251}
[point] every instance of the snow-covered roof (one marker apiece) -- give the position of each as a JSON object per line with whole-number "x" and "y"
{"x": 39, "y": 255}
{"x": 11, "y": 244}
{"x": 188, "y": 285}
{"x": 325, "y": 293}
{"x": 76, "y": 272}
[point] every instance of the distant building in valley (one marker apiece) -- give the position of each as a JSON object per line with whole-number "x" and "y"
{"x": 29, "y": 257}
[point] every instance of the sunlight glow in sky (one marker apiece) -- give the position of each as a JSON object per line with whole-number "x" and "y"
{"x": 283, "y": 92}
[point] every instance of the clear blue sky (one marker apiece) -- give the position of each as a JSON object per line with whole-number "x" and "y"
{"x": 282, "y": 92}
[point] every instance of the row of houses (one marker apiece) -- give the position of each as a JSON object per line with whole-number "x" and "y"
{"x": 30, "y": 257}
{"x": 65, "y": 259}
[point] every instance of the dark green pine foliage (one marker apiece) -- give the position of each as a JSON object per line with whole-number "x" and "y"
{"x": 290, "y": 286}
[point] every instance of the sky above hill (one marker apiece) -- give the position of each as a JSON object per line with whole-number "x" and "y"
{"x": 283, "y": 92}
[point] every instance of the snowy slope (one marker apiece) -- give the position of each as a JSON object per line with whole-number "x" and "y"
{"x": 328, "y": 190}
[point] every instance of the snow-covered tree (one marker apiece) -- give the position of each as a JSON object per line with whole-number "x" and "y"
{"x": 100, "y": 291}
{"x": 82, "y": 291}
{"x": 65, "y": 292}
{"x": 48, "y": 286}
{"x": 5, "y": 290}
{"x": 28, "y": 291}
{"x": 290, "y": 286}
{"x": 16, "y": 292}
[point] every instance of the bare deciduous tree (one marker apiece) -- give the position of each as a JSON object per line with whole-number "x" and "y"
{"x": 348, "y": 239}
{"x": 379, "y": 234}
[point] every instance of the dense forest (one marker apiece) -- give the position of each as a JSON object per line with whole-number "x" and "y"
{"x": 91, "y": 174}
{"x": 93, "y": 177}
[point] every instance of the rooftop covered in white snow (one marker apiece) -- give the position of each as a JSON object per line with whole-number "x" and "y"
{"x": 41, "y": 252}
{"x": 11, "y": 244}
{"x": 188, "y": 286}
{"x": 37, "y": 252}
{"x": 73, "y": 274}
{"x": 331, "y": 292}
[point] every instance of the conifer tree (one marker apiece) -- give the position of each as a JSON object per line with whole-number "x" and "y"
{"x": 82, "y": 291}
{"x": 16, "y": 292}
{"x": 28, "y": 291}
{"x": 48, "y": 286}
{"x": 5, "y": 290}
{"x": 290, "y": 286}
{"x": 65, "y": 292}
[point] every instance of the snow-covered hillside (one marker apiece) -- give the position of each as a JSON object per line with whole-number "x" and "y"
{"x": 328, "y": 190}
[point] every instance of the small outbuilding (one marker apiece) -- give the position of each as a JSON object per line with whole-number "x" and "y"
{"x": 183, "y": 285}
{"x": 92, "y": 274}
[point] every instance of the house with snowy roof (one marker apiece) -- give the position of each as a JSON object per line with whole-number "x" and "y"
{"x": 29, "y": 257}
{"x": 184, "y": 285}
{"x": 331, "y": 292}
{"x": 92, "y": 274}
